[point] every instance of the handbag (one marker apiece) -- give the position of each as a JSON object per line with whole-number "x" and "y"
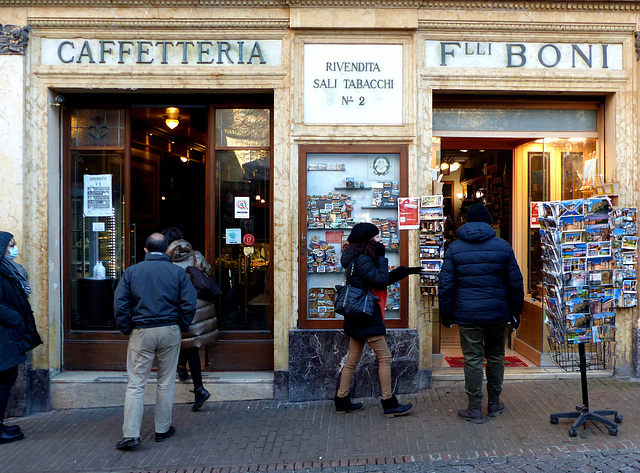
{"x": 206, "y": 288}
{"x": 352, "y": 301}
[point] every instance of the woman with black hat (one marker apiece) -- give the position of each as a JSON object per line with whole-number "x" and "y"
{"x": 18, "y": 332}
{"x": 366, "y": 254}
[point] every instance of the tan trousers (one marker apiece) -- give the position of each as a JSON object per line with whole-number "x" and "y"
{"x": 145, "y": 344}
{"x": 379, "y": 346}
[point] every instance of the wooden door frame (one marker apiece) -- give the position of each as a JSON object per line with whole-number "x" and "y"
{"x": 303, "y": 151}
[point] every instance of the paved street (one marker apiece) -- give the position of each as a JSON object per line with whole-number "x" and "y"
{"x": 230, "y": 437}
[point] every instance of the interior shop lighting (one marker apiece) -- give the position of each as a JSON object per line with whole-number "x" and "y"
{"x": 455, "y": 166}
{"x": 460, "y": 195}
{"x": 172, "y": 117}
{"x": 184, "y": 159}
{"x": 258, "y": 197}
{"x": 444, "y": 166}
{"x": 464, "y": 150}
{"x": 577, "y": 139}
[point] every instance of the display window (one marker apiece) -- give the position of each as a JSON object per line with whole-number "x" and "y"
{"x": 343, "y": 187}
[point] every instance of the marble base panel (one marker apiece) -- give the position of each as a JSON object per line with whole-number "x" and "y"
{"x": 30, "y": 393}
{"x": 635, "y": 334}
{"x": 316, "y": 358}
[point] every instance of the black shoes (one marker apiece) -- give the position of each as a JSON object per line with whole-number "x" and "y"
{"x": 201, "y": 396}
{"x": 10, "y": 433}
{"x": 183, "y": 374}
{"x": 495, "y": 408}
{"x": 165, "y": 435}
{"x": 127, "y": 443}
{"x": 344, "y": 404}
{"x": 472, "y": 414}
{"x": 393, "y": 408}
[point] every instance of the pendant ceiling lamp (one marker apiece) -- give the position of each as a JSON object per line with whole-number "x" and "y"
{"x": 172, "y": 117}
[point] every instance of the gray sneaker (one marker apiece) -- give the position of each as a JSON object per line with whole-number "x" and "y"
{"x": 495, "y": 408}
{"x": 472, "y": 414}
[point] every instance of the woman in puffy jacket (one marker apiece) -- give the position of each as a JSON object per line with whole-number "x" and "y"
{"x": 18, "y": 332}
{"x": 204, "y": 327}
{"x": 365, "y": 255}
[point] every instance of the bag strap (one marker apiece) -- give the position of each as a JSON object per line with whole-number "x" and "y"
{"x": 351, "y": 273}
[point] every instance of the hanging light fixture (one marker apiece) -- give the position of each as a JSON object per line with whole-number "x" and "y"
{"x": 172, "y": 117}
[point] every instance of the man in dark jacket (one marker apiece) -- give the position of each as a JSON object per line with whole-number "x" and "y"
{"x": 155, "y": 301}
{"x": 481, "y": 290}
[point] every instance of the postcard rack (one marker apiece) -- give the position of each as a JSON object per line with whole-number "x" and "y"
{"x": 432, "y": 221}
{"x": 588, "y": 269}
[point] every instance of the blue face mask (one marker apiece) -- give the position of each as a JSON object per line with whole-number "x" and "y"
{"x": 13, "y": 252}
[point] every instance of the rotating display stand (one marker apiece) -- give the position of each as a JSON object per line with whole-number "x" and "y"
{"x": 582, "y": 414}
{"x": 588, "y": 270}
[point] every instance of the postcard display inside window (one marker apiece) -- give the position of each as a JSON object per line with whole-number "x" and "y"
{"x": 589, "y": 266}
{"x": 431, "y": 243}
{"x": 342, "y": 190}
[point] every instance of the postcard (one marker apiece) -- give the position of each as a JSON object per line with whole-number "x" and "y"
{"x": 600, "y": 263}
{"x": 576, "y": 250}
{"x": 431, "y": 201}
{"x": 573, "y": 264}
{"x": 427, "y": 213}
{"x": 602, "y": 233}
{"x": 575, "y": 278}
{"x": 598, "y": 248}
{"x": 629, "y": 242}
{"x": 573, "y": 237}
{"x": 571, "y": 223}
{"x": 431, "y": 265}
{"x": 630, "y": 285}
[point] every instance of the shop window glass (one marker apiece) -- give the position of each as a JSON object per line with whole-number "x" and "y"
{"x": 243, "y": 252}
{"x": 97, "y": 128}
{"x": 97, "y": 237}
{"x": 242, "y": 128}
{"x": 529, "y": 120}
{"x": 342, "y": 190}
{"x": 559, "y": 169}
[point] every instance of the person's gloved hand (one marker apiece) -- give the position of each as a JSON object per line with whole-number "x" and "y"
{"x": 515, "y": 321}
{"x": 379, "y": 249}
{"x": 415, "y": 269}
{"x": 448, "y": 320}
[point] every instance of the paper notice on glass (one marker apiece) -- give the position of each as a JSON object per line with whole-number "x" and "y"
{"x": 408, "y": 213}
{"x": 241, "y": 207}
{"x": 97, "y": 195}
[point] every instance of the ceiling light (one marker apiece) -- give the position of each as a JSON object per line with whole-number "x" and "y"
{"x": 258, "y": 197}
{"x": 444, "y": 166}
{"x": 460, "y": 195}
{"x": 577, "y": 140}
{"x": 455, "y": 166}
{"x": 184, "y": 159}
{"x": 464, "y": 150}
{"x": 172, "y": 117}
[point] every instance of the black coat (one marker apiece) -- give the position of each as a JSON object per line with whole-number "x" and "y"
{"x": 368, "y": 273}
{"x": 18, "y": 333}
{"x": 154, "y": 293}
{"x": 480, "y": 281}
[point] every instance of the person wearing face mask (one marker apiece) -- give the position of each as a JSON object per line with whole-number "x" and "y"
{"x": 18, "y": 333}
{"x": 365, "y": 255}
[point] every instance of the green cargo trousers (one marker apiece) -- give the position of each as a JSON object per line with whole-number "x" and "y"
{"x": 479, "y": 342}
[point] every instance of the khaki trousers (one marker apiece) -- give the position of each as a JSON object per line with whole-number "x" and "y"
{"x": 379, "y": 346}
{"x": 145, "y": 344}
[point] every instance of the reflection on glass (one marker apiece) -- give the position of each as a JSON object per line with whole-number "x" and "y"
{"x": 96, "y": 241}
{"x": 242, "y": 266}
{"x": 241, "y": 128}
{"x": 92, "y": 128}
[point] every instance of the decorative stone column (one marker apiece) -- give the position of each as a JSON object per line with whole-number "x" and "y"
{"x": 13, "y": 45}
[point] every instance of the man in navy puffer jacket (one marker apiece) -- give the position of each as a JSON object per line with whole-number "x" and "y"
{"x": 481, "y": 290}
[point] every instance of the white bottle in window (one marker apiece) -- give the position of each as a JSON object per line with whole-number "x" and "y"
{"x": 99, "y": 271}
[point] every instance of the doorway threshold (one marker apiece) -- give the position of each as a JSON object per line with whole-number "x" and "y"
{"x": 86, "y": 389}
{"x": 455, "y": 376}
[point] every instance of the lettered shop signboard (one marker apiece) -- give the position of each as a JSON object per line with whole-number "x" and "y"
{"x": 353, "y": 84}
{"x": 523, "y": 55}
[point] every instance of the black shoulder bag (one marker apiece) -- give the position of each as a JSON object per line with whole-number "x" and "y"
{"x": 354, "y": 302}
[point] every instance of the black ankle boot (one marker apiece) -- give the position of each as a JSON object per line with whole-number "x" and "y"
{"x": 10, "y": 434}
{"x": 201, "y": 395}
{"x": 344, "y": 404}
{"x": 392, "y": 408}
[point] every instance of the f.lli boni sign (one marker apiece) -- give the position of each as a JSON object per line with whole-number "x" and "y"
{"x": 515, "y": 55}
{"x": 160, "y": 53}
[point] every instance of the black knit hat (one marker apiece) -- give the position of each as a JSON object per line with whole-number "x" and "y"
{"x": 362, "y": 232}
{"x": 479, "y": 213}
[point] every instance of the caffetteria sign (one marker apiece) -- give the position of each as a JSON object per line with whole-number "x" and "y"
{"x": 159, "y": 53}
